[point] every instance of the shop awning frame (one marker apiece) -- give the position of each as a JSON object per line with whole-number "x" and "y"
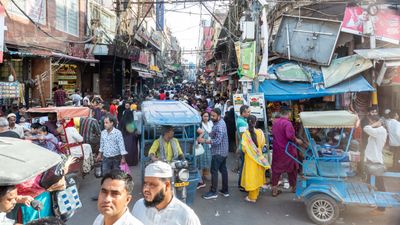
{"x": 284, "y": 91}
{"x": 60, "y": 55}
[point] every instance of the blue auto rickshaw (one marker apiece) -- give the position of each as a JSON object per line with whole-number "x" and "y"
{"x": 329, "y": 181}
{"x": 185, "y": 121}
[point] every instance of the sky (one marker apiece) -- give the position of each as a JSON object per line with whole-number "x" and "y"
{"x": 184, "y": 22}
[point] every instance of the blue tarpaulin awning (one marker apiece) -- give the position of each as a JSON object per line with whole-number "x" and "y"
{"x": 283, "y": 91}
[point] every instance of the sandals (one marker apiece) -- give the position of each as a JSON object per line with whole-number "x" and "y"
{"x": 275, "y": 191}
{"x": 247, "y": 199}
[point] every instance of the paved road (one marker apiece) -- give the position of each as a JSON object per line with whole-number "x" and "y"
{"x": 283, "y": 210}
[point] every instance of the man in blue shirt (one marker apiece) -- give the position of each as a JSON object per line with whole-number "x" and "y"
{"x": 219, "y": 152}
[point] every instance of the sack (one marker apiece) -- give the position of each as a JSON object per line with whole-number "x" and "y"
{"x": 199, "y": 150}
{"x": 52, "y": 175}
{"x": 65, "y": 202}
{"x": 375, "y": 169}
{"x": 124, "y": 167}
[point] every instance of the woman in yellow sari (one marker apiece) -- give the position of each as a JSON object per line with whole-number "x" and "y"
{"x": 255, "y": 163}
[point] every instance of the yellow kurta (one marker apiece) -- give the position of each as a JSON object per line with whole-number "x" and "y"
{"x": 253, "y": 175}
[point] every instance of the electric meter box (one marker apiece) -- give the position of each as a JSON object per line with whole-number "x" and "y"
{"x": 248, "y": 30}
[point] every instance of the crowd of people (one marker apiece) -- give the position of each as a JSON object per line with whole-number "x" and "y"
{"x": 112, "y": 138}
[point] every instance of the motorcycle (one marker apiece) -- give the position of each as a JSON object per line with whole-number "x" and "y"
{"x": 180, "y": 178}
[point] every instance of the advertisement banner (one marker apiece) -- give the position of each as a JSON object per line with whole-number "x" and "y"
{"x": 248, "y": 59}
{"x": 2, "y": 14}
{"x": 238, "y": 101}
{"x": 237, "y": 49}
{"x": 385, "y": 24}
{"x": 257, "y": 104}
{"x": 159, "y": 15}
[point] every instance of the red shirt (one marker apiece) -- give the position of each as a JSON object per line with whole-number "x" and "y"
{"x": 163, "y": 96}
{"x": 113, "y": 110}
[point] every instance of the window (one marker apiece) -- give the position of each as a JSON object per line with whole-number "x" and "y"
{"x": 67, "y": 13}
{"x": 35, "y": 9}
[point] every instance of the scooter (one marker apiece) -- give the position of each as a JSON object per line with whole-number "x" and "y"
{"x": 180, "y": 178}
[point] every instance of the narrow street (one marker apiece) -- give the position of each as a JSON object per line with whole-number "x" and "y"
{"x": 282, "y": 210}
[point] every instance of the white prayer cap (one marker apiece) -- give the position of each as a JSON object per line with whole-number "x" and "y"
{"x": 387, "y": 111}
{"x": 158, "y": 169}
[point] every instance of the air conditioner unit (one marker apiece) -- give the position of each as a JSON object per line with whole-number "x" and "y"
{"x": 248, "y": 30}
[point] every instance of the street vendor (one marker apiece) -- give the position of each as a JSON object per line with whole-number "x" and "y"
{"x": 166, "y": 147}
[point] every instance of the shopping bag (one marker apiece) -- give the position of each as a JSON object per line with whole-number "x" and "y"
{"x": 199, "y": 150}
{"x": 124, "y": 167}
{"x": 67, "y": 201}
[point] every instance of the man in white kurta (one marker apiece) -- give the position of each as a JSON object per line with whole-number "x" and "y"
{"x": 159, "y": 206}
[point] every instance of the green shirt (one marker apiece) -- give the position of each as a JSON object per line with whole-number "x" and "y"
{"x": 241, "y": 127}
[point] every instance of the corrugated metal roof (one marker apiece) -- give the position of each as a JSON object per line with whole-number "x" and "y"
{"x": 379, "y": 53}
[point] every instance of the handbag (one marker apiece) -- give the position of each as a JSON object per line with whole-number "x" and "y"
{"x": 52, "y": 175}
{"x": 199, "y": 150}
{"x": 67, "y": 201}
{"x": 124, "y": 167}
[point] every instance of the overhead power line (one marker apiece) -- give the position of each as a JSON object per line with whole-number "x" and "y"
{"x": 175, "y": 2}
{"x": 271, "y": 1}
{"x": 222, "y": 25}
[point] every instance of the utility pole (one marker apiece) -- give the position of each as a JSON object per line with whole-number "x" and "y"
{"x": 255, "y": 16}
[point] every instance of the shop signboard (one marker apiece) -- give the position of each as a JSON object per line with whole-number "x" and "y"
{"x": 384, "y": 23}
{"x": 2, "y": 13}
{"x": 238, "y": 101}
{"x": 9, "y": 90}
{"x": 159, "y": 15}
{"x": 257, "y": 104}
{"x": 248, "y": 59}
{"x": 144, "y": 58}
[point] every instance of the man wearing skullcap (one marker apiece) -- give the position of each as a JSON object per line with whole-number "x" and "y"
{"x": 159, "y": 206}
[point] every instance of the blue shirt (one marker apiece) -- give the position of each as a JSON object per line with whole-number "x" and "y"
{"x": 219, "y": 139}
{"x": 112, "y": 143}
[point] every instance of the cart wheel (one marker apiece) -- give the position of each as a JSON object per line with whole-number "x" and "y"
{"x": 322, "y": 209}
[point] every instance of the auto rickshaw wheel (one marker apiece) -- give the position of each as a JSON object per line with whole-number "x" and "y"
{"x": 322, "y": 209}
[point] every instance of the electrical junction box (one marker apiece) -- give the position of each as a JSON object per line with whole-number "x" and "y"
{"x": 248, "y": 30}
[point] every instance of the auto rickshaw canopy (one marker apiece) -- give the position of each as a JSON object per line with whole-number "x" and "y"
{"x": 22, "y": 160}
{"x": 328, "y": 119}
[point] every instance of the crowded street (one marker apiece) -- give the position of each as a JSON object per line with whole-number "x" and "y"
{"x": 234, "y": 210}
{"x": 199, "y": 112}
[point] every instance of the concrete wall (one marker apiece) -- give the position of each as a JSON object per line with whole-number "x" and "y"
{"x": 22, "y": 32}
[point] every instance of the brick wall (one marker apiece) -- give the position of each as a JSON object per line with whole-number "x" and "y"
{"x": 22, "y": 32}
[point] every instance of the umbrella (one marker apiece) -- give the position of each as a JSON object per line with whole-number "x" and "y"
{"x": 22, "y": 160}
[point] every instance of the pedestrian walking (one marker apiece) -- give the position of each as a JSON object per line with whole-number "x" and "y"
{"x": 283, "y": 132}
{"x": 114, "y": 197}
{"x": 127, "y": 127}
{"x": 393, "y": 126}
{"x": 241, "y": 127}
{"x": 374, "y": 153}
{"x": 76, "y": 98}
{"x": 204, "y": 160}
{"x": 255, "y": 164}
{"x": 59, "y": 96}
{"x": 219, "y": 151}
{"x": 112, "y": 147}
{"x": 159, "y": 206}
{"x": 231, "y": 127}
